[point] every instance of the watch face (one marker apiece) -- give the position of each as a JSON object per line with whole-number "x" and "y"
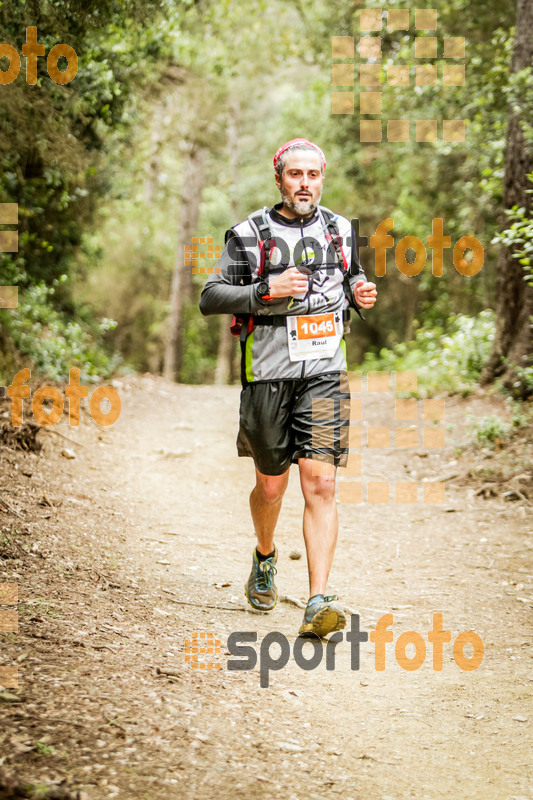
{"x": 263, "y": 288}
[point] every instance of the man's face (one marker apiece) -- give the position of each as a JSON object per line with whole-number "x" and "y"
{"x": 301, "y": 183}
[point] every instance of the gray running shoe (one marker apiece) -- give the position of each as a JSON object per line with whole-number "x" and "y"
{"x": 260, "y": 589}
{"x": 322, "y": 616}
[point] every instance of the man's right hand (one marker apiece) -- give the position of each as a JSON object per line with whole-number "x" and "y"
{"x": 288, "y": 284}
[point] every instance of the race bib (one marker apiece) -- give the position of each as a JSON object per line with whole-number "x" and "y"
{"x": 314, "y": 335}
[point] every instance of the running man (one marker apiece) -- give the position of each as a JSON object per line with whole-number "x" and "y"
{"x": 289, "y": 273}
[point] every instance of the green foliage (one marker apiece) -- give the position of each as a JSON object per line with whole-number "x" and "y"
{"x": 449, "y": 360}
{"x": 491, "y": 430}
{"x": 519, "y": 236}
{"x": 54, "y": 142}
{"x": 199, "y": 361}
{"x": 488, "y": 430}
{"x": 524, "y": 382}
{"x": 43, "y": 749}
{"x": 53, "y": 343}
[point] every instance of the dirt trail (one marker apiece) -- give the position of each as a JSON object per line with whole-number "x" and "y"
{"x": 153, "y": 516}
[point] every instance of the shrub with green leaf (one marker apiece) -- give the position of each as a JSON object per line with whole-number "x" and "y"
{"x": 445, "y": 360}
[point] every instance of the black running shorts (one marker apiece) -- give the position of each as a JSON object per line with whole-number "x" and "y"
{"x": 282, "y": 421}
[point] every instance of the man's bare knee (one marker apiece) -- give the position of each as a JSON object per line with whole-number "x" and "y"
{"x": 319, "y": 487}
{"x": 271, "y": 488}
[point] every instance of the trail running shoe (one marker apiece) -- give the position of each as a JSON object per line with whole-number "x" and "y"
{"x": 322, "y": 616}
{"x": 260, "y": 589}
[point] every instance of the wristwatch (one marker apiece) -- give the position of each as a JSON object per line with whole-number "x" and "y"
{"x": 263, "y": 289}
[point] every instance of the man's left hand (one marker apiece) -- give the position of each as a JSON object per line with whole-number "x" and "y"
{"x": 365, "y": 294}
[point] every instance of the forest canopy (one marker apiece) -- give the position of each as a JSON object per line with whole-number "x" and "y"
{"x": 167, "y": 132}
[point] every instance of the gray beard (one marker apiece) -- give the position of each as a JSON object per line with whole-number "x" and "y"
{"x": 301, "y": 207}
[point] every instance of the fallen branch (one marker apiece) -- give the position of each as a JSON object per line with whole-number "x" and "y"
{"x": 52, "y": 430}
{"x": 206, "y": 605}
{"x": 7, "y": 508}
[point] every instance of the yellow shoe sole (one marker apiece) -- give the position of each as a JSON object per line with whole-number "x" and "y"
{"x": 327, "y": 620}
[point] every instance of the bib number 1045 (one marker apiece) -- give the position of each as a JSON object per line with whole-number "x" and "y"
{"x": 318, "y": 325}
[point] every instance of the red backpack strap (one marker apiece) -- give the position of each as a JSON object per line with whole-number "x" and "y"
{"x": 266, "y": 243}
{"x": 333, "y": 237}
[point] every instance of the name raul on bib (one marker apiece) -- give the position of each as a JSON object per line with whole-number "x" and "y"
{"x": 314, "y": 335}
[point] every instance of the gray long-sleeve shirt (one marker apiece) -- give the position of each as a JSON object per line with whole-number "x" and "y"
{"x": 226, "y": 291}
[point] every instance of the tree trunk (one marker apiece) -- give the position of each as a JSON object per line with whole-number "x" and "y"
{"x": 156, "y": 142}
{"x": 191, "y": 195}
{"x": 513, "y": 342}
{"x": 226, "y": 341}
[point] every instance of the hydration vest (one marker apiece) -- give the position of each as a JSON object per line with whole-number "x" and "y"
{"x": 243, "y": 324}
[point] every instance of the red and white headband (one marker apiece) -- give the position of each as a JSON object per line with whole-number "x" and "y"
{"x": 292, "y": 142}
